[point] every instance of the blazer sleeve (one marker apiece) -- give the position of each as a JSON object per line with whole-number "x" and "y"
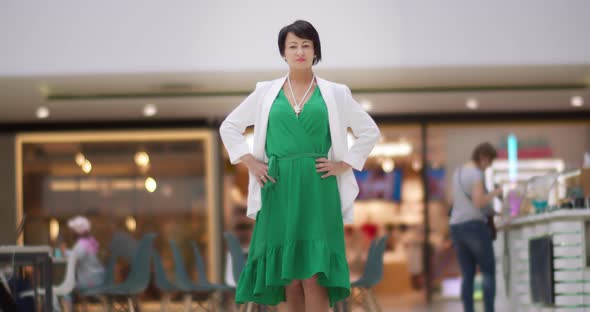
{"x": 364, "y": 129}
{"x": 233, "y": 127}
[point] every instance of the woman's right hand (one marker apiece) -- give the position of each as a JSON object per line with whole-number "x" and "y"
{"x": 257, "y": 168}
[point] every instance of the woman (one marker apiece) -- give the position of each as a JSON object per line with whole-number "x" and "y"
{"x": 301, "y": 183}
{"x": 89, "y": 270}
{"x": 470, "y": 234}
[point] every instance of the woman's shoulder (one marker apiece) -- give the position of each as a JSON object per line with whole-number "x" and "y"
{"x": 472, "y": 172}
{"x": 468, "y": 169}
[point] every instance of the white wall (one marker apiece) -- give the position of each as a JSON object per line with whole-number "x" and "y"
{"x": 109, "y": 36}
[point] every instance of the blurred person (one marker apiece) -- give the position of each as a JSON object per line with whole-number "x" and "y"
{"x": 122, "y": 243}
{"x": 89, "y": 270}
{"x": 470, "y": 234}
{"x": 301, "y": 184}
{"x": 413, "y": 242}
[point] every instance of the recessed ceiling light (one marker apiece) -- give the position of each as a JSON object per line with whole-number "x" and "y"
{"x": 150, "y": 110}
{"x": 367, "y": 105}
{"x": 472, "y": 104}
{"x": 42, "y": 112}
{"x": 577, "y": 101}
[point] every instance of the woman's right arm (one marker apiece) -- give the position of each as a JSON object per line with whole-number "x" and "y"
{"x": 232, "y": 134}
{"x": 233, "y": 127}
{"x": 479, "y": 196}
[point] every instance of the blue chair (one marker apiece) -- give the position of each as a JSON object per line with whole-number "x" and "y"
{"x": 162, "y": 282}
{"x": 135, "y": 283}
{"x": 342, "y": 306}
{"x": 193, "y": 290}
{"x": 237, "y": 255}
{"x": 109, "y": 270}
{"x": 238, "y": 263}
{"x": 200, "y": 265}
{"x": 372, "y": 275}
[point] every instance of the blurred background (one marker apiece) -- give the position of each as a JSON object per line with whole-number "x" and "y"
{"x": 111, "y": 110}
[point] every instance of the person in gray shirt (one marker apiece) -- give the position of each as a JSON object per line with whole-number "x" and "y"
{"x": 471, "y": 238}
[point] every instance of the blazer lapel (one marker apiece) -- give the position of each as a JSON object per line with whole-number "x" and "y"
{"x": 333, "y": 116}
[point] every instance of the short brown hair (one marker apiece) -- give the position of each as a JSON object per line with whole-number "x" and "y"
{"x": 304, "y": 30}
{"x": 484, "y": 150}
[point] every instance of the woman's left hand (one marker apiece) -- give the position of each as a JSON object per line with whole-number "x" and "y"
{"x": 331, "y": 168}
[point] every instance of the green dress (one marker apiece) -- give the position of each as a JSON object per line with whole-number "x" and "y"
{"x": 299, "y": 230}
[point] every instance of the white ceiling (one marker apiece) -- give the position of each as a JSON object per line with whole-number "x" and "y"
{"x": 212, "y": 95}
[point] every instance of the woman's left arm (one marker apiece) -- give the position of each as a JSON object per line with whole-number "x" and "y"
{"x": 364, "y": 129}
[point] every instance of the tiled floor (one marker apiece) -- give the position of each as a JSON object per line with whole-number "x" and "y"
{"x": 408, "y": 303}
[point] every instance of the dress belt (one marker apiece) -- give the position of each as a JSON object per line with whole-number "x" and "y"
{"x": 273, "y": 168}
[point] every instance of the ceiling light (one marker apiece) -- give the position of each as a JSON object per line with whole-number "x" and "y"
{"x": 42, "y": 112}
{"x": 87, "y": 166}
{"x": 367, "y": 105}
{"x": 80, "y": 159}
{"x": 150, "y": 184}
{"x": 577, "y": 101}
{"x": 388, "y": 165}
{"x": 150, "y": 110}
{"x": 472, "y": 104}
{"x": 142, "y": 159}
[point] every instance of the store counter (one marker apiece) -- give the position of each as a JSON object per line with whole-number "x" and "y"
{"x": 542, "y": 261}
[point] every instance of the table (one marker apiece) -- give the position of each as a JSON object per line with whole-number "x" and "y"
{"x": 569, "y": 232}
{"x": 40, "y": 258}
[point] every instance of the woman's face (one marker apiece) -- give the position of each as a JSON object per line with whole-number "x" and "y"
{"x": 299, "y": 52}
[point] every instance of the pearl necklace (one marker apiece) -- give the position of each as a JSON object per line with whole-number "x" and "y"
{"x": 298, "y": 105}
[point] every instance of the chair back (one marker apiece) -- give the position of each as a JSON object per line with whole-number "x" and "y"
{"x": 183, "y": 279}
{"x": 375, "y": 262}
{"x": 237, "y": 255}
{"x": 367, "y": 269}
{"x": 161, "y": 280}
{"x": 200, "y": 264}
{"x": 140, "y": 274}
{"x": 109, "y": 270}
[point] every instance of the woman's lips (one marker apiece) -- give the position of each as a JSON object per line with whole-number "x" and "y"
{"x": 300, "y": 60}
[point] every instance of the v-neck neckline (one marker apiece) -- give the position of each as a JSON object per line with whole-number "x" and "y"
{"x": 304, "y": 104}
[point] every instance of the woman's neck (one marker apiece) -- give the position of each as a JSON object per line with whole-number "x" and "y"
{"x": 301, "y": 76}
{"x": 474, "y": 164}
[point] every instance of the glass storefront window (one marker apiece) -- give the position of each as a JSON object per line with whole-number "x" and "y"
{"x": 127, "y": 184}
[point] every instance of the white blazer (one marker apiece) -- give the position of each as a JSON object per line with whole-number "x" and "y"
{"x": 343, "y": 113}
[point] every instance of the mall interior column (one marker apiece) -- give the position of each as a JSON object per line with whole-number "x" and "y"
{"x": 8, "y": 190}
